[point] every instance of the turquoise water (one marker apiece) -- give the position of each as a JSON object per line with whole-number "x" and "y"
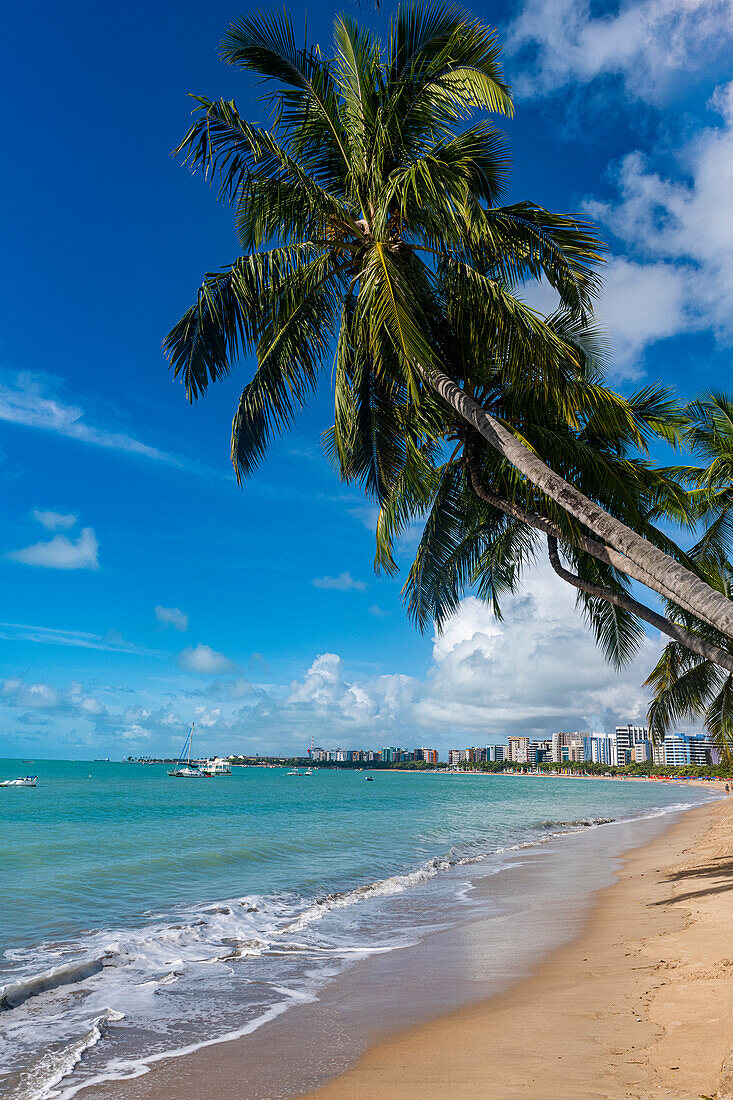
{"x": 140, "y": 913}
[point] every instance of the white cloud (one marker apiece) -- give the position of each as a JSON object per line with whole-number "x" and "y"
{"x": 651, "y": 44}
{"x": 678, "y": 276}
{"x": 203, "y": 659}
{"x": 535, "y": 672}
{"x": 377, "y": 611}
{"x": 61, "y": 552}
{"x": 43, "y": 697}
{"x": 54, "y": 521}
{"x": 343, "y": 583}
{"x": 29, "y": 400}
{"x": 172, "y": 616}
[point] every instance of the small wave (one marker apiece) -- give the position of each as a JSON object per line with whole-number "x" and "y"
{"x": 581, "y": 822}
{"x": 16, "y": 993}
{"x": 39, "y": 1081}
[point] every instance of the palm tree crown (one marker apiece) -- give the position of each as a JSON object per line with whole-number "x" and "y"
{"x": 369, "y": 222}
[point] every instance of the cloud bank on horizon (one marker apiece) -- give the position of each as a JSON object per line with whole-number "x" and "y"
{"x": 486, "y": 678}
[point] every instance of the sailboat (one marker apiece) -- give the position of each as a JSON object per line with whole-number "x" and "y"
{"x": 188, "y": 770}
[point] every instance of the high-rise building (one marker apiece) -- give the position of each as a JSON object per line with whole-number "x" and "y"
{"x": 626, "y": 738}
{"x": 599, "y": 749}
{"x": 540, "y": 751}
{"x": 518, "y": 749}
{"x": 568, "y": 747}
{"x": 454, "y": 757}
{"x": 496, "y": 753}
{"x": 391, "y": 755}
{"x": 681, "y": 750}
{"x": 642, "y": 752}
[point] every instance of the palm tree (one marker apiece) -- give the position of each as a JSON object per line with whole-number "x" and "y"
{"x": 482, "y": 524}
{"x": 367, "y": 206}
{"x": 688, "y": 687}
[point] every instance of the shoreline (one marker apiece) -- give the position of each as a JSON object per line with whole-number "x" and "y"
{"x": 365, "y": 1058}
{"x": 639, "y": 1004}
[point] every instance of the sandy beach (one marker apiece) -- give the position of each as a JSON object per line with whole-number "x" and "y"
{"x": 638, "y": 1004}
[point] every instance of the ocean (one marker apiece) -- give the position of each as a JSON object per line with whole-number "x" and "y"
{"x": 142, "y": 916}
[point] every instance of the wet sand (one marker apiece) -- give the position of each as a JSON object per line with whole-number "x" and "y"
{"x": 640, "y": 1005}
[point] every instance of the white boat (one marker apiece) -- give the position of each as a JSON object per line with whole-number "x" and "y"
{"x": 24, "y": 781}
{"x": 216, "y": 765}
{"x": 188, "y": 770}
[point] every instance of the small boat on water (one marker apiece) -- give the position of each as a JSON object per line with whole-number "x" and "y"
{"x": 216, "y": 765}
{"x": 24, "y": 781}
{"x": 188, "y": 770}
{"x": 370, "y": 779}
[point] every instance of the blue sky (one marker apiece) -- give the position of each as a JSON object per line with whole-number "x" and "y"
{"x": 141, "y": 589}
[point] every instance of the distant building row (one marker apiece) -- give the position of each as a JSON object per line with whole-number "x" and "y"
{"x": 388, "y": 755}
{"x": 631, "y": 744}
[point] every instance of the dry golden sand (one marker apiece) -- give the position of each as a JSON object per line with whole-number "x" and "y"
{"x": 641, "y": 1005}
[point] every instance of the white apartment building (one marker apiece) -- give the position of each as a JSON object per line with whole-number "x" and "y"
{"x": 568, "y": 746}
{"x": 680, "y": 750}
{"x": 518, "y": 749}
{"x": 600, "y": 749}
{"x": 626, "y": 738}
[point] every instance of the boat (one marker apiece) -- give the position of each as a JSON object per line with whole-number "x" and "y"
{"x": 188, "y": 770}
{"x": 370, "y": 779}
{"x": 24, "y": 781}
{"x": 216, "y": 765}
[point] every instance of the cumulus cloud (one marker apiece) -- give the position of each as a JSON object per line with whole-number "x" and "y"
{"x": 535, "y": 672}
{"x": 61, "y": 552}
{"x": 680, "y": 236}
{"x": 343, "y": 583}
{"x": 172, "y": 616}
{"x": 676, "y": 276}
{"x": 205, "y": 660}
{"x": 650, "y": 44}
{"x": 41, "y": 696}
{"x": 54, "y": 521}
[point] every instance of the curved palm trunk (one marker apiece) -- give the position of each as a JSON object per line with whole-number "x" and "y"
{"x": 595, "y": 549}
{"x": 628, "y": 603}
{"x": 665, "y": 574}
{"x": 602, "y": 553}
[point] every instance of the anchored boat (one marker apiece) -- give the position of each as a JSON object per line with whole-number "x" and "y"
{"x": 24, "y": 781}
{"x": 187, "y": 770}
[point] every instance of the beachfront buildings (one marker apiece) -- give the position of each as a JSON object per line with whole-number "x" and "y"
{"x": 626, "y": 738}
{"x": 518, "y": 750}
{"x": 681, "y": 750}
{"x": 568, "y": 747}
{"x": 388, "y": 755}
{"x": 630, "y": 745}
